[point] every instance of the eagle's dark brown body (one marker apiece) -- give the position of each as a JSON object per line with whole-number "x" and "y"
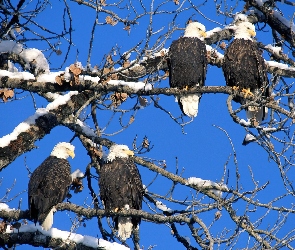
{"x": 120, "y": 184}
{"x": 244, "y": 67}
{"x": 187, "y": 63}
{"x": 48, "y": 186}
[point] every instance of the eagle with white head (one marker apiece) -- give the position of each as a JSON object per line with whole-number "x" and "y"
{"x": 49, "y": 184}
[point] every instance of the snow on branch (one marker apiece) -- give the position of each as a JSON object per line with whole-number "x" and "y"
{"x": 208, "y": 184}
{"x": 24, "y": 126}
{"x": 55, "y": 238}
{"x": 34, "y": 58}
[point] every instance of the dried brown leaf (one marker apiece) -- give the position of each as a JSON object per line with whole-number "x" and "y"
{"x": 59, "y": 79}
{"x": 111, "y": 21}
{"x": 103, "y": 2}
{"x": 96, "y": 152}
{"x": 166, "y": 74}
{"x": 218, "y": 215}
{"x": 132, "y": 119}
{"x": 118, "y": 98}
{"x": 75, "y": 70}
{"x": 142, "y": 101}
{"x": 176, "y": 2}
{"x": 3, "y": 226}
{"x": 222, "y": 45}
{"x": 126, "y": 64}
{"x": 145, "y": 143}
{"x": 127, "y": 28}
{"x": 5, "y": 94}
{"x": 110, "y": 59}
{"x": 17, "y": 29}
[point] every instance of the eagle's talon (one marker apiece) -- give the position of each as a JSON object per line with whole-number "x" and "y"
{"x": 247, "y": 92}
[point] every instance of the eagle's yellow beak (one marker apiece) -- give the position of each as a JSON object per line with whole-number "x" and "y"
{"x": 252, "y": 33}
{"x": 71, "y": 153}
{"x": 129, "y": 152}
{"x": 204, "y": 34}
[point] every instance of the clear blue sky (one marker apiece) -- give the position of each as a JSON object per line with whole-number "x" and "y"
{"x": 202, "y": 152}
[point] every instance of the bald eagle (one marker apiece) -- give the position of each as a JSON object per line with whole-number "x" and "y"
{"x": 244, "y": 69}
{"x": 121, "y": 188}
{"x": 49, "y": 184}
{"x": 187, "y": 65}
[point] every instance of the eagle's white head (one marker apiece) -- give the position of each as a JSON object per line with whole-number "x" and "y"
{"x": 245, "y": 30}
{"x": 120, "y": 151}
{"x": 195, "y": 29}
{"x": 63, "y": 150}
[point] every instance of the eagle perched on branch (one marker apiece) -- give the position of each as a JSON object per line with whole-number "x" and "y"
{"x": 187, "y": 65}
{"x": 121, "y": 188}
{"x": 49, "y": 184}
{"x": 245, "y": 70}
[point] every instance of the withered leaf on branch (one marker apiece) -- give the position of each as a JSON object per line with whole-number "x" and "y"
{"x": 5, "y": 94}
{"x": 145, "y": 143}
{"x": 166, "y": 74}
{"x": 103, "y": 2}
{"x": 59, "y": 79}
{"x": 126, "y": 64}
{"x": 142, "y": 101}
{"x": 176, "y": 2}
{"x": 118, "y": 98}
{"x": 110, "y": 59}
{"x": 132, "y": 119}
{"x": 127, "y": 28}
{"x": 222, "y": 45}
{"x": 96, "y": 152}
{"x": 3, "y": 226}
{"x": 111, "y": 21}
{"x": 76, "y": 72}
{"x": 77, "y": 185}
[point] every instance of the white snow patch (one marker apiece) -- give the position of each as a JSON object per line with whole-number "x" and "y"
{"x": 245, "y": 123}
{"x": 25, "y": 125}
{"x": 111, "y": 245}
{"x": 279, "y": 65}
{"x": 163, "y": 207}
{"x": 211, "y": 32}
{"x": 4, "y": 206}
{"x": 269, "y": 129}
{"x": 77, "y": 174}
{"x": 11, "y": 67}
{"x": 95, "y": 79}
{"x": 19, "y": 75}
{"x": 86, "y": 129}
{"x": 33, "y": 56}
{"x": 10, "y": 47}
{"x": 260, "y": 2}
{"x": 161, "y": 52}
{"x": 214, "y": 51}
{"x": 58, "y": 234}
{"x": 274, "y": 49}
{"x": 249, "y": 138}
{"x": 241, "y": 17}
{"x": 61, "y": 100}
{"x": 22, "y": 127}
{"x": 285, "y": 21}
{"x": 134, "y": 85}
{"x": 49, "y": 77}
{"x": 207, "y": 183}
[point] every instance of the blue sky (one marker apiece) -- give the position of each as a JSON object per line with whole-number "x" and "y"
{"x": 202, "y": 151}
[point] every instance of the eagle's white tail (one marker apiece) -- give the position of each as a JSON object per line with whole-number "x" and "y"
{"x": 258, "y": 113}
{"x": 47, "y": 224}
{"x": 190, "y": 104}
{"x": 124, "y": 227}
